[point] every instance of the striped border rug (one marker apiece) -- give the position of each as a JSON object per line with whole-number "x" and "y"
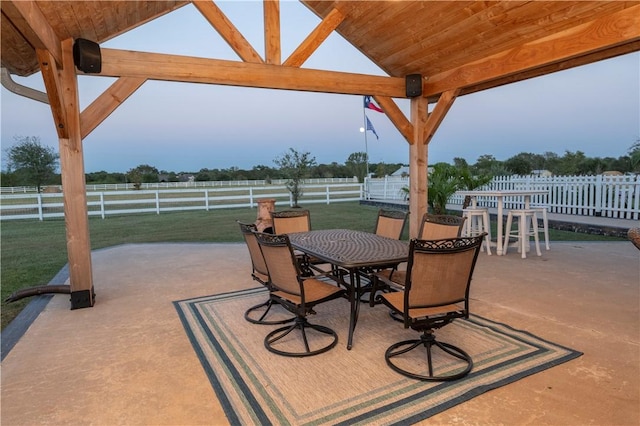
{"x": 346, "y": 386}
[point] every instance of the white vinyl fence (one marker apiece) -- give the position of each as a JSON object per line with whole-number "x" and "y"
{"x": 104, "y": 203}
{"x": 607, "y": 196}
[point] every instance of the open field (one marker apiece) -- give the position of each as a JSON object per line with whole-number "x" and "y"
{"x": 33, "y": 252}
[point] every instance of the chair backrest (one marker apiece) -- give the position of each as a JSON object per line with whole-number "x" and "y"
{"x": 439, "y": 275}
{"x": 288, "y": 221}
{"x": 440, "y": 226}
{"x": 281, "y": 263}
{"x": 391, "y": 223}
{"x": 260, "y": 272}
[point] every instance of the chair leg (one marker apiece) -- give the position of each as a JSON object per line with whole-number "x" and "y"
{"x": 536, "y": 238}
{"x": 428, "y": 341}
{"x": 507, "y": 233}
{"x": 523, "y": 235}
{"x": 487, "y": 229}
{"x": 261, "y": 320}
{"x": 302, "y": 325}
{"x": 545, "y": 224}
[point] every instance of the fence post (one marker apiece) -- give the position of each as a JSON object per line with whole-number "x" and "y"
{"x": 598, "y": 201}
{"x": 157, "y": 202}
{"x": 327, "y": 192}
{"x": 102, "y": 205}
{"x": 40, "y": 215}
{"x": 206, "y": 199}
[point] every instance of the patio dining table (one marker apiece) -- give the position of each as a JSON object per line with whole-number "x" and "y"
{"x": 500, "y": 195}
{"x": 351, "y": 251}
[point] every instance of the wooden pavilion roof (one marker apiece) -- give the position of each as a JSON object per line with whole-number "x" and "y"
{"x": 471, "y": 45}
{"x": 456, "y": 47}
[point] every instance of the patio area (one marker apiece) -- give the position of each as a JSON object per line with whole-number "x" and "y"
{"x": 128, "y": 359}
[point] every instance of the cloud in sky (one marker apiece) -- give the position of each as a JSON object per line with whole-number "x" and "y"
{"x": 187, "y": 127}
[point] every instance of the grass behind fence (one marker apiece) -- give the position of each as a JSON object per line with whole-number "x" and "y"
{"x": 33, "y": 252}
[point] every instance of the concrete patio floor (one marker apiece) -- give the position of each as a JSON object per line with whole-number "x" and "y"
{"x": 128, "y": 360}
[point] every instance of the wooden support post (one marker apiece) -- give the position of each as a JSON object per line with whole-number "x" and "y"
{"x": 74, "y": 189}
{"x": 417, "y": 165}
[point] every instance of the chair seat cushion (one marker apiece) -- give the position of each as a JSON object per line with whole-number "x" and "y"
{"x": 393, "y": 277}
{"x": 314, "y": 291}
{"x": 396, "y": 300}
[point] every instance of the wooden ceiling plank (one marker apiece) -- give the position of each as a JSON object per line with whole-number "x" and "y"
{"x": 491, "y": 30}
{"x": 315, "y": 39}
{"x": 155, "y": 66}
{"x": 272, "y": 46}
{"x": 107, "y": 102}
{"x": 46, "y": 37}
{"x": 555, "y": 67}
{"x": 411, "y": 36}
{"x": 608, "y": 32}
{"x": 228, "y": 31}
{"x": 14, "y": 46}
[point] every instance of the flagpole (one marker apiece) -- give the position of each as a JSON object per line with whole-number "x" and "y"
{"x": 366, "y": 145}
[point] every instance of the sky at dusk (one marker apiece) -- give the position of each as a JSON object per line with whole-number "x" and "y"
{"x": 187, "y": 127}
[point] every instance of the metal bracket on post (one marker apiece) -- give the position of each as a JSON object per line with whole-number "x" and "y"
{"x": 82, "y": 299}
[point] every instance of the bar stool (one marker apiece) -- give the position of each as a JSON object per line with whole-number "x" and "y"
{"x": 478, "y": 222}
{"x": 524, "y": 231}
{"x": 541, "y": 210}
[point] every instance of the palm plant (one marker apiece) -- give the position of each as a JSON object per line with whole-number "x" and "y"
{"x": 444, "y": 181}
{"x": 470, "y": 182}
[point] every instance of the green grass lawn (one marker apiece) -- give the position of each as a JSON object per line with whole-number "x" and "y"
{"x": 33, "y": 252}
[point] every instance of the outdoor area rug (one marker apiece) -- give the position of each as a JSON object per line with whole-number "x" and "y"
{"x": 344, "y": 386}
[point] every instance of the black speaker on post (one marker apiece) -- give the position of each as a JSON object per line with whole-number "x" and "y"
{"x": 86, "y": 56}
{"x": 413, "y": 85}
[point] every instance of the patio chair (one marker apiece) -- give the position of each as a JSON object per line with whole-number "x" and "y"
{"x": 288, "y": 221}
{"x": 299, "y": 220}
{"x": 391, "y": 223}
{"x": 432, "y": 227}
{"x": 441, "y": 226}
{"x": 299, "y": 294}
{"x": 258, "y": 273}
{"x": 436, "y": 292}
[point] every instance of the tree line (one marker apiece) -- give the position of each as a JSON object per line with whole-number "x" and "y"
{"x": 29, "y": 163}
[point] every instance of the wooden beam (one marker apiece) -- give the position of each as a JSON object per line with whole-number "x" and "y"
{"x": 396, "y": 116}
{"x": 107, "y": 102}
{"x": 620, "y": 28}
{"x": 43, "y": 36}
{"x": 228, "y": 31}
{"x": 437, "y": 115}
{"x": 52, "y": 84}
{"x": 157, "y": 66}
{"x": 73, "y": 188}
{"x": 272, "y": 47}
{"x": 315, "y": 39}
{"x": 418, "y": 156}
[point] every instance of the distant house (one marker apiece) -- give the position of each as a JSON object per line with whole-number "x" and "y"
{"x": 541, "y": 173}
{"x": 402, "y": 172}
